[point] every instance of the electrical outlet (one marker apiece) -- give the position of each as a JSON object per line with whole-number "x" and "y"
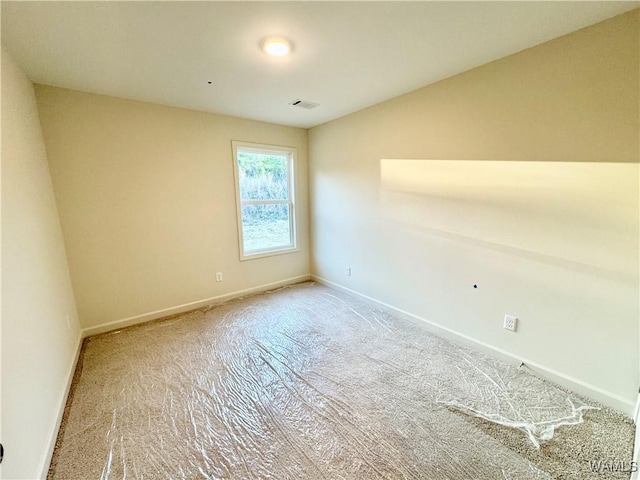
{"x": 510, "y": 322}
{"x": 218, "y": 276}
{"x": 348, "y": 272}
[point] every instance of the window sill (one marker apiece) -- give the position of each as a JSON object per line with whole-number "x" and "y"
{"x": 268, "y": 253}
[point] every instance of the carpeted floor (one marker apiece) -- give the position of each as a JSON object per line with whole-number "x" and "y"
{"x": 309, "y": 383}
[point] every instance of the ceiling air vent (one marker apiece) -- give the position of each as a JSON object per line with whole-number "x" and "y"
{"x": 304, "y": 104}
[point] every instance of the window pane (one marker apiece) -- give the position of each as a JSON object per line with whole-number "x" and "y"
{"x": 262, "y": 176}
{"x": 265, "y": 227}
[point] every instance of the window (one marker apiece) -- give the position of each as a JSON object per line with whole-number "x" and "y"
{"x": 265, "y": 199}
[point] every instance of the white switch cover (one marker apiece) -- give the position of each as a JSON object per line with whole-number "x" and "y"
{"x": 510, "y": 322}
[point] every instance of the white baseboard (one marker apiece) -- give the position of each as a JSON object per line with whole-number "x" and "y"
{"x": 145, "y": 317}
{"x": 62, "y": 403}
{"x": 605, "y": 397}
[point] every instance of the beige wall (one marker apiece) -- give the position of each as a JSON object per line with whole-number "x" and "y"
{"x": 40, "y": 330}
{"x": 147, "y": 203}
{"x": 545, "y": 221}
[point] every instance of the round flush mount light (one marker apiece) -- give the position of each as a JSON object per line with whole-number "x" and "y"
{"x": 276, "y": 46}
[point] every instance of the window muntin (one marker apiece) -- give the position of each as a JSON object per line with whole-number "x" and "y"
{"x": 265, "y": 199}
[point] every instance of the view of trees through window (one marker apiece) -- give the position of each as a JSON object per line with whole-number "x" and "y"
{"x": 264, "y": 193}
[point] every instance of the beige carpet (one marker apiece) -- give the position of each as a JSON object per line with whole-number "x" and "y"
{"x": 309, "y": 383}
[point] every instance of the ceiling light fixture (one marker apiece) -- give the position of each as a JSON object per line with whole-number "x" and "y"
{"x": 276, "y": 46}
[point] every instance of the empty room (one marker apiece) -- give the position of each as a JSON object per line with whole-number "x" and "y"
{"x": 320, "y": 240}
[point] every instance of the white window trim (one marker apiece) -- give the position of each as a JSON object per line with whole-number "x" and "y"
{"x": 291, "y": 154}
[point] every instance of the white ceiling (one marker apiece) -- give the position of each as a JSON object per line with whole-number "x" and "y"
{"x": 347, "y": 55}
